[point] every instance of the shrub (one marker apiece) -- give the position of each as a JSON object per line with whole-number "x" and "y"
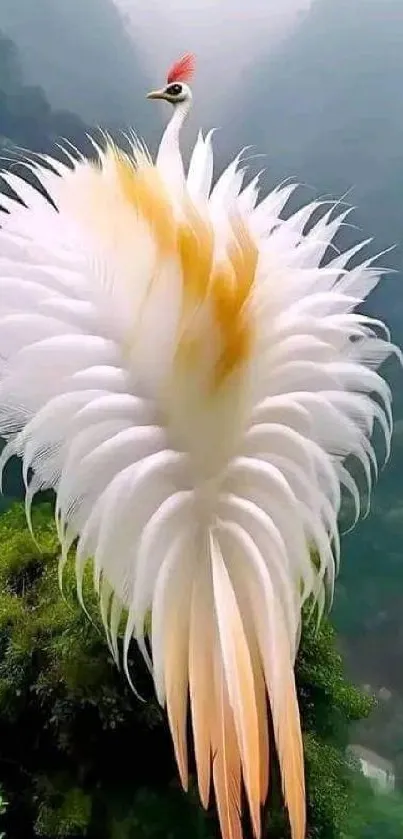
{"x": 81, "y": 756}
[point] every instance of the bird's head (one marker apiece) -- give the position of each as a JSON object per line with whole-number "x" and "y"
{"x": 176, "y": 89}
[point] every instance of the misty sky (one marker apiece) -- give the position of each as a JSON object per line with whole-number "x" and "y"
{"x": 226, "y": 35}
{"x": 102, "y": 69}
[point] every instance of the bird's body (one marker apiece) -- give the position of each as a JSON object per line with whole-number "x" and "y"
{"x": 180, "y": 365}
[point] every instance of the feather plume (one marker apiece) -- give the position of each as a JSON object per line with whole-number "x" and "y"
{"x": 237, "y": 666}
{"x": 226, "y": 761}
{"x": 182, "y": 70}
{"x": 200, "y": 390}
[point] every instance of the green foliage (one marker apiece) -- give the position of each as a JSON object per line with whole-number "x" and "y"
{"x": 328, "y": 705}
{"x": 80, "y": 756}
{"x": 166, "y": 814}
{"x": 375, "y": 814}
{"x": 63, "y": 814}
{"x": 3, "y": 810}
{"x": 76, "y": 746}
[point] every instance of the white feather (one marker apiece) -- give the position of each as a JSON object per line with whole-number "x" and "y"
{"x": 158, "y": 473}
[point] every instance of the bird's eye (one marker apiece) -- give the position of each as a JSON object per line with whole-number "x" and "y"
{"x": 174, "y": 89}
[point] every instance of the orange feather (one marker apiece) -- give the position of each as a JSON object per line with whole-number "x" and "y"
{"x": 200, "y": 675}
{"x": 226, "y": 760}
{"x": 239, "y": 680}
{"x": 176, "y": 683}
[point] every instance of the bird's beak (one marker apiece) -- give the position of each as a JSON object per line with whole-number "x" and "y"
{"x": 157, "y": 94}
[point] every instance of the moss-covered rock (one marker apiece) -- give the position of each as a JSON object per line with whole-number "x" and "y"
{"x": 81, "y": 756}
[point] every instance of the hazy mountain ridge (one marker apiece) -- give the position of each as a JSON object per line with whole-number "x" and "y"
{"x": 81, "y": 54}
{"x": 326, "y": 110}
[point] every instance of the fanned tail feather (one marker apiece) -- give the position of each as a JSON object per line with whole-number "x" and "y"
{"x": 226, "y": 760}
{"x": 234, "y": 654}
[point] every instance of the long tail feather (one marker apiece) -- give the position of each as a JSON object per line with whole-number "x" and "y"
{"x": 239, "y": 679}
{"x": 201, "y": 668}
{"x": 226, "y": 760}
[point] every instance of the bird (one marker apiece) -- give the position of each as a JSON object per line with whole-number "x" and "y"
{"x": 186, "y": 365}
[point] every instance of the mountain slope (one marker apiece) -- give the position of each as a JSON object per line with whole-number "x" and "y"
{"x": 81, "y": 54}
{"x": 327, "y": 110}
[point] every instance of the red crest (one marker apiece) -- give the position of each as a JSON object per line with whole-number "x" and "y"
{"x": 182, "y": 70}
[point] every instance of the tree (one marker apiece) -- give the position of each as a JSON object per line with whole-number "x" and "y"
{"x": 81, "y": 756}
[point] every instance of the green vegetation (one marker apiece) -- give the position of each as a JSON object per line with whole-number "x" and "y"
{"x": 81, "y": 756}
{"x": 375, "y": 815}
{"x": 3, "y": 810}
{"x": 329, "y": 705}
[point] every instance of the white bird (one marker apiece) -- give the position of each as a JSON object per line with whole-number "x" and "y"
{"x": 189, "y": 375}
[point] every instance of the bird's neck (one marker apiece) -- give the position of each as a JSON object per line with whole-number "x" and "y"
{"x": 169, "y": 158}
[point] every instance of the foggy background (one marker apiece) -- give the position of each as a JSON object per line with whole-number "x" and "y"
{"x": 316, "y": 87}
{"x": 227, "y": 36}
